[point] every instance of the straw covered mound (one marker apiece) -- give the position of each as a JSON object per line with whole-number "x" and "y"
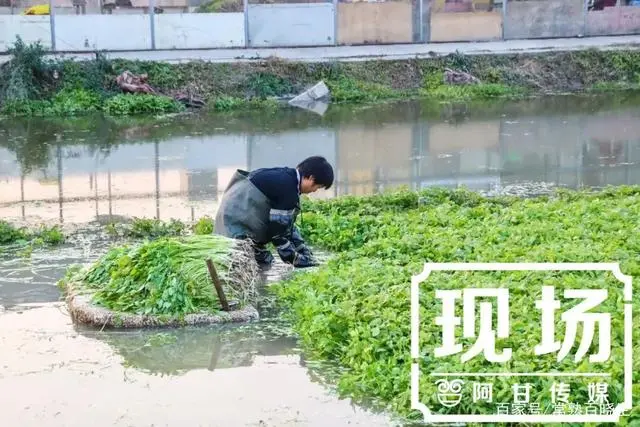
{"x": 165, "y": 282}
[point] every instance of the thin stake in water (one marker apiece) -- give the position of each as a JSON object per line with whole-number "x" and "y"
{"x": 217, "y": 350}
{"x": 216, "y": 282}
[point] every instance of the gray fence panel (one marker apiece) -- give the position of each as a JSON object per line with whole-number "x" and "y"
{"x": 296, "y": 24}
{"x": 618, "y": 20}
{"x": 531, "y": 19}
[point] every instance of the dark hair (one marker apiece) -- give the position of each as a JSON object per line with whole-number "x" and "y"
{"x": 319, "y": 168}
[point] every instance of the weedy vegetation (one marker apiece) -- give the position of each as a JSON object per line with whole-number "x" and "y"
{"x": 354, "y": 312}
{"x": 27, "y": 239}
{"x": 151, "y": 228}
{"x": 203, "y": 226}
{"x": 220, "y": 6}
{"x": 146, "y": 228}
{"x": 31, "y": 85}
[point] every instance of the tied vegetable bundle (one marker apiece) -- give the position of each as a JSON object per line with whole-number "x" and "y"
{"x": 169, "y": 276}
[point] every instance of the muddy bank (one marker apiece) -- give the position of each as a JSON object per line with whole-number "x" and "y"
{"x": 90, "y": 86}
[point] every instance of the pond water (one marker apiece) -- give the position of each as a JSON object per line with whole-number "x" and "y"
{"x": 87, "y": 171}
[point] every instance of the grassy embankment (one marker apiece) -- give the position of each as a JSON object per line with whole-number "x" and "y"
{"x": 354, "y": 312}
{"x": 33, "y": 85}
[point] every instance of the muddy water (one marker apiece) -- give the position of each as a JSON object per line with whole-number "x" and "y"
{"x": 27, "y": 277}
{"x": 251, "y": 375}
{"x": 52, "y": 375}
{"x": 85, "y": 172}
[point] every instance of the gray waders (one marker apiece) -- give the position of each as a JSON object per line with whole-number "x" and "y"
{"x": 244, "y": 213}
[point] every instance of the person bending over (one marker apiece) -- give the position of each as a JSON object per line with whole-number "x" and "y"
{"x": 263, "y": 205}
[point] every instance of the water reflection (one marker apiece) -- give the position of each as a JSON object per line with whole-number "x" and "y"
{"x": 176, "y": 352}
{"x": 94, "y": 169}
{"x": 52, "y": 374}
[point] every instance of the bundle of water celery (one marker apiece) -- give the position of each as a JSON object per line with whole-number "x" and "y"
{"x": 169, "y": 276}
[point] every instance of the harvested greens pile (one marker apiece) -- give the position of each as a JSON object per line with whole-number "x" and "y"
{"x": 169, "y": 276}
{"x": 354, "y": 312}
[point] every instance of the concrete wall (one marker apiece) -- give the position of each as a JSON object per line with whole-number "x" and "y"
{"x": 199, "y": 30}
{"x": 109, "y": 32}
{"x": 613, "y": 21}
{"x": 375, "y": 23}
{"x": 466, "y": 26}
{"x": 544, "y": 19}
{"x": 30, "y": 28}
{"x": 296, "y": 24}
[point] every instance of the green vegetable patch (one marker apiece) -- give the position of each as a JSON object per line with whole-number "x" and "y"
{"x": 355, "y": 311}
{"x": 168, "y": 276}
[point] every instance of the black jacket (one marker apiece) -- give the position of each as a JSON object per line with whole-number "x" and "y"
{"x": 281, "y": 186}
{"x": 262, "y": 205}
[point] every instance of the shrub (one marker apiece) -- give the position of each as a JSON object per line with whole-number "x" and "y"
{"x": 126, "y": 104}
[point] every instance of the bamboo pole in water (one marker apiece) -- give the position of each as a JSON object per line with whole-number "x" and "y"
{"x": 216, "y": 282}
